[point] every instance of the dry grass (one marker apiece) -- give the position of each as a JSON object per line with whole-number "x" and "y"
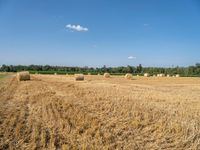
{"x": 55, "y": 112}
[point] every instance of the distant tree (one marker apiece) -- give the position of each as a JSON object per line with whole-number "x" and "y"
{"x": 183, "y": 71}
{"x": 139, "y": 68}
{"x": 198, "y": 65}
{"x": 129, "y": 69}
{"x": 5, "y": 68}
{"x": 104, "y": 68}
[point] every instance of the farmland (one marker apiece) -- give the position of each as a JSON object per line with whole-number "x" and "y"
{"x": 2, "y": 76}
{"x": 57, "y": 112}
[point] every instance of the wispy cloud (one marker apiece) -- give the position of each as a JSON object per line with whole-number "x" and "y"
{"x": 131, "y": 57}
{"x": 78, "y": 28}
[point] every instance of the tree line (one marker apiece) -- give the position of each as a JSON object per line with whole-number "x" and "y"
{"x": 48, "y": 69}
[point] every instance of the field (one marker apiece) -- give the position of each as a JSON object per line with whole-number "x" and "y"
{"x": 56, "y": 112}
{"x": 2, "y": 76}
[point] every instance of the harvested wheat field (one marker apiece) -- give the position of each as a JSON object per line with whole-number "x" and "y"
{"x": 57, "y": 112}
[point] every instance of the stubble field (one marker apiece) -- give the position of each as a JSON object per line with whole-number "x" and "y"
{"x": 56, "y": 112}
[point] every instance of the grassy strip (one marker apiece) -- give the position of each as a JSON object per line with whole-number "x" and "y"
{"x": 2, "y": 76}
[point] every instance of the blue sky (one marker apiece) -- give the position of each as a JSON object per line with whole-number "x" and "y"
{"x": 100, "y": 32}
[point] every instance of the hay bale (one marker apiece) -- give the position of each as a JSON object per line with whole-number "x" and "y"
{"x": 154, "y": 75}
{"x": 129, "y": 76}
{"x": 55, "y": 73}
{"x": 89, "y": 73}
{"x": 162, "y": 75}
{"x": 146, "y": 75}
{"x": 23, "y": 76}
{"x": 79, "y": 77}
{"x": 137, "y": 75}
{"x": 106, "y": 75}
{"x": 168, "y": 75}
{"x": 177, "y": 75}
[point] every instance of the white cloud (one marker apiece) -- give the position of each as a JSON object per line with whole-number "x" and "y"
{"x": 76, "y": 28}
{"x": 131, "y": 57}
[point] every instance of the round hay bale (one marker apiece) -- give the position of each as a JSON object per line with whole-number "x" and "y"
{"x": 177, "y": 75}
{"x": 89, "y": 73}
{"x": 23, "y": 76}
{"x": 162, "y": 75}
{"x": 168, "y": 75}
{"x": 55, "y": 73}
{"x": 79, "y": 77}
{"x": 106, "y": 75}
{"x": 137, "y": 75}
{"x": 146, "y": 75}
{"x": 129, "y": 76}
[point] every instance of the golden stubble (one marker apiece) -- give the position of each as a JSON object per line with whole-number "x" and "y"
{"x": 56, "y": 112}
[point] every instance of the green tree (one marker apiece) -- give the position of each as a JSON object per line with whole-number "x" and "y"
{"x": 139, "y": 68}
